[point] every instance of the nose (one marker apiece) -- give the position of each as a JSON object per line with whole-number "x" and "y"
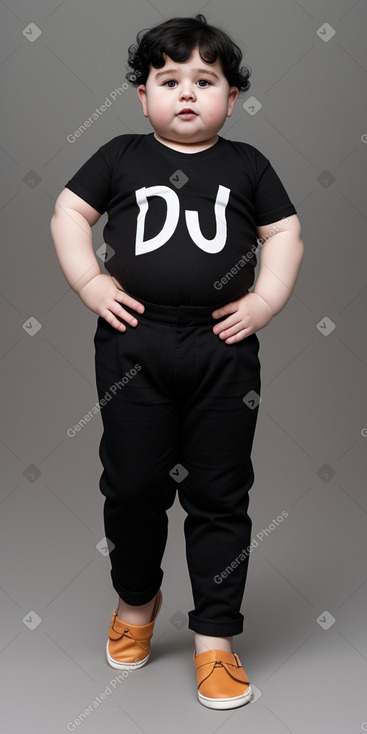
{"x": 187, "y": 91}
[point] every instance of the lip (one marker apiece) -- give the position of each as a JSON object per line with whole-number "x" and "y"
{"x": 187, "y": 113}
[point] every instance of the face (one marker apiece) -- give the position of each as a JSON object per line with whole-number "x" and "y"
{"x": 192, "y": 84}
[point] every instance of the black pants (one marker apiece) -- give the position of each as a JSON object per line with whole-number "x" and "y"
{"x": 178, "y": 414}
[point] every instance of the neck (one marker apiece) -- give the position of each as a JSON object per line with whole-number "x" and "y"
{"x": 187, "y": 147}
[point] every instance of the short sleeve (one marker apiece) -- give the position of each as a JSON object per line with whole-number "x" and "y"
{"x": 92, "y": 182}
{"x": 271, "y": 199}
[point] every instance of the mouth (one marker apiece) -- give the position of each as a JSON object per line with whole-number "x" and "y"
{"x": 187, "y": 113}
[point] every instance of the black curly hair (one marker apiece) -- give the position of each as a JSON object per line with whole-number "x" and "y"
{"x": 177, "y": 37}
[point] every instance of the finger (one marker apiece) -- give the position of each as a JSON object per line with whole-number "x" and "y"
{"x": 123, "y": 297}
{"x": 223, "y": 310}
{"x": 239, "y": 336}
{"x": 233, "y": 330}
{"x": 224, "y": 325}
{"x": 111, "y": 319}
{"x": 127, "y": 316}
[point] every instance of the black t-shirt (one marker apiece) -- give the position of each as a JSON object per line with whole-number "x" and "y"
{"x": 181, "y": 226}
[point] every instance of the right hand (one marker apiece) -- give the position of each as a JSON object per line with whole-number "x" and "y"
{"x": 103, "y": 296}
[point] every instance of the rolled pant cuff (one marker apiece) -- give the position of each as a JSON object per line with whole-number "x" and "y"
{"x": 136, "y": 598}
{"x": 215, "y": 628}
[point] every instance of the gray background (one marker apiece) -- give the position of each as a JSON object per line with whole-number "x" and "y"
{"x": 310, "y": 445}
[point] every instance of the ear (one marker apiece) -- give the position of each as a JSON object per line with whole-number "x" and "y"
{"x": 232, "y": 98}
{"x": 142, "y": 94}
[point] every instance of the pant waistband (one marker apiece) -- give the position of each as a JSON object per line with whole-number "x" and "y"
{"x": 177, "y": 315}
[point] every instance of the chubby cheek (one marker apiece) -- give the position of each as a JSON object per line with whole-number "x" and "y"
{"x": 159, "y": 111}
{"x": 217, "y": 111}
{"x": 160, "y": 117}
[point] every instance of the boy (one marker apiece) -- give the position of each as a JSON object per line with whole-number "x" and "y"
{"x": 185, "y": 209}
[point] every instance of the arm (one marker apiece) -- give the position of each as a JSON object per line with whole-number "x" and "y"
{"x": 72, "y": 236}
{"x": 280, "y": 263}
{"x": 281, "y": 259}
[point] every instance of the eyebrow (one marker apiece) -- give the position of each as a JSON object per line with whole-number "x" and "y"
{"x": 174, "y": 71}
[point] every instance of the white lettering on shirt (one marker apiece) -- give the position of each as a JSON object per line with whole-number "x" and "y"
{"x": 212, "y": 246}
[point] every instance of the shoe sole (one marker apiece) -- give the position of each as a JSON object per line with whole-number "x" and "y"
{"x": 125, "y": 666}
{"x": 225, "y": 703}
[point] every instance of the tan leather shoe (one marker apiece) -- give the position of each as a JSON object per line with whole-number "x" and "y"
{"x": 221, "y": 680}
{"x": 128, "y": 645}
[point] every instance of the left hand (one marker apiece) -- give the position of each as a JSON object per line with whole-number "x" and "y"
{"x": 249, "y": 314}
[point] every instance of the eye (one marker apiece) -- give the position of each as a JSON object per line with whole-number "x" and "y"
{"x": 206, "y": 81}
